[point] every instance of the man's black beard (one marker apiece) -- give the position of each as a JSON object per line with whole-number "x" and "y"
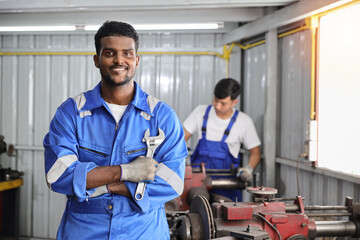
{"x": 110, "y": 82}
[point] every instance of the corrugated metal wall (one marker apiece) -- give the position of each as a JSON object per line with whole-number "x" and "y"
{"x": 254, "y": 79}
{"x": 294, "y": 100}
{"x": 254, "y": 85}
{"x": 32, "y": 87}
{"x": 317, "y": 186}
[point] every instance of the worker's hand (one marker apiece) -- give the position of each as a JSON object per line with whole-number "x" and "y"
{"x": 141, "y": 169}
{"x": 245, "y": 174}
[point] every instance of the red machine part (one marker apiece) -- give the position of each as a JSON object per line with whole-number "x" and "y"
{"x": 265, "y": 218}
{"x": 194, "y": 184}
{"x": 268, "y": 216}
{"x": 199, "y": 183}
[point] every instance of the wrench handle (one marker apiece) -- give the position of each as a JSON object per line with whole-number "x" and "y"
{"x": 151, "y": 143}
{"x": 140, "y": 190}
{"x": 150, "y": 152}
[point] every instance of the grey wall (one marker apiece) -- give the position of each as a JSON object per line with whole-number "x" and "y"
{"x": 294, "y": 99}
{"x": 32, "y": 87}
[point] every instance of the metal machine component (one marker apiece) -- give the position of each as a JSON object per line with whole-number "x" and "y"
{"x": 152, "y": 143}
{"x": 202, "y": 207}
{"x": 4, "y": 148}
{"x": 7, "y": 174}
{"x": 2, "y": 144}
{"x": 198, "y": 182}
{"x": 266, "y": 218}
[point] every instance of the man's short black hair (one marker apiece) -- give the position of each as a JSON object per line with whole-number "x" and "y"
{"x": 227, "y": 87}
{"x": 114, "y": 28}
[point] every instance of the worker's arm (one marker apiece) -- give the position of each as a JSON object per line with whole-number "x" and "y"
{"x": 141, "y": 169}
{"x": 118, "y": 188}
{"x": 255, "y": 155}
{"x": 109, "y": 179}
{"x": 193, "y": 122}
{"x": 187, "y": 134}
{"x": 103, "y": 175}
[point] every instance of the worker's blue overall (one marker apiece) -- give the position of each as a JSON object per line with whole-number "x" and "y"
{"x": 84, "y": 135}
{"x": 216, "y": 155}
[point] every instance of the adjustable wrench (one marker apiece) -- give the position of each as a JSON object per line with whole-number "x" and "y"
{"x": 151, "y": 143}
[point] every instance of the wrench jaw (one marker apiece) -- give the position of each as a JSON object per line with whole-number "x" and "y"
{"x": 146, "y": 135}
{"x": 154, "y": 140}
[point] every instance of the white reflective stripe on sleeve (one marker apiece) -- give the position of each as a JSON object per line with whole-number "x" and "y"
{"x": 59, "y": 168}
{"x": 99, "y": 191}
{"x": 171, "y": 178}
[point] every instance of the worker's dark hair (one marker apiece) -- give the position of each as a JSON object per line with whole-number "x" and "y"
{"x": 227, "y": 87}
{"x": 114, "y": 28}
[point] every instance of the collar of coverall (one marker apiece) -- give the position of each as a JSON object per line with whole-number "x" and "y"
{"x": 94, "y": 99}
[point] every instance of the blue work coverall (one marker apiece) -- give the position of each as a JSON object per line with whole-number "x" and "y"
{"x": 216, "y": 155}
{"x": 83, "y": 135}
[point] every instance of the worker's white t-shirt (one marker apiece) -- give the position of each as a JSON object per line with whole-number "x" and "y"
{"x": 242, "y": 132}
{"x": 117, "y": 110}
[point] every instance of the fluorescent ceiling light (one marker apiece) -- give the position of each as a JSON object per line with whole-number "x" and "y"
{"x": 168, "y": 26}
{"x": 182, "y": 26}
{"x": 37, "y": 28}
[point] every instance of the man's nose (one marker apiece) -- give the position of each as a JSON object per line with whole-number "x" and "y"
{"x": 119, "y": 59}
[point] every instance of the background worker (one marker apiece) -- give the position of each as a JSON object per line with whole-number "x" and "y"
{"x": 222, "y": 130}
{"x": 94, "y": 150}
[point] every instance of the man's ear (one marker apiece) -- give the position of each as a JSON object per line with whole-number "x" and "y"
{"x": 137, "y": 60}
{"x": 235, "y": 102}
{"x": 96, "y": 61}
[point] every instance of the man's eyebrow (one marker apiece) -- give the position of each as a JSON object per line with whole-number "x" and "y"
{"x": 107, "y": 49}
{"x": 112, "y": 49}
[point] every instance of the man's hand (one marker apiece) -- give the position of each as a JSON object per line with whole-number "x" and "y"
{"x": 141, "y": 169}
{"x": 245, "y": 174}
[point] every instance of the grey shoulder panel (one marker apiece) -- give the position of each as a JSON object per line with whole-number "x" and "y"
{"x": 152, "y": 101}
{"x": 80, "y": 101}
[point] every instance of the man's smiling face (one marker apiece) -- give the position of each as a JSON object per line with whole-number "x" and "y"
{"x": 117, "y": 60}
